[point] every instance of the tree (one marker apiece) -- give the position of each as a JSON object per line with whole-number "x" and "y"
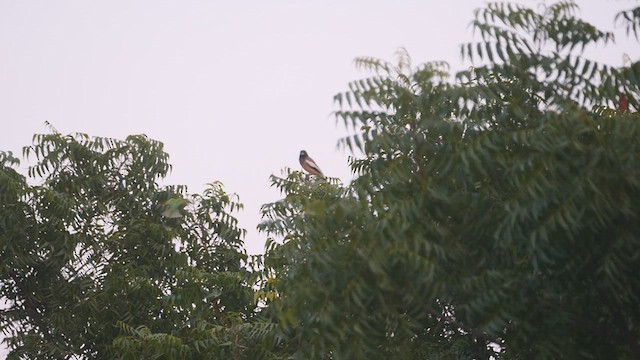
{"x": 493, "y": 215}
{"x": 93, "y": 264}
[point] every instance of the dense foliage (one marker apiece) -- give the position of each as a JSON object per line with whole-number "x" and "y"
{"x": 494, "y": 215}
{"x": 91, "y": 268}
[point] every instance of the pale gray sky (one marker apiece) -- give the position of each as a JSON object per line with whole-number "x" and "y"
{"x": 233, "y": 89}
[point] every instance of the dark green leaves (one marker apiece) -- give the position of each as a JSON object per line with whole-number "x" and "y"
{"x": 630, "y": 20}
{"x": 99, "y": 261}
{"x": 489, "y": 213}
{"x": 540, "y": 50}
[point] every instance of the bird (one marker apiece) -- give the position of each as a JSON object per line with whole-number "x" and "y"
{"x": 309, "y": 165}
{"x": 173, "y": 208}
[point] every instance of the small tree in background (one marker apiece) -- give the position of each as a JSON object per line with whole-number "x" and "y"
{"x": 493, "y": 216}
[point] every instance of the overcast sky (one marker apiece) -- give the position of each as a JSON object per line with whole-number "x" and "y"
{"x": 234, "y": 89}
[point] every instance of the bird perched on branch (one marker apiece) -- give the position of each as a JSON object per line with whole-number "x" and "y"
{"x": 309, "y": 165}
{"x": 174, "y": 207}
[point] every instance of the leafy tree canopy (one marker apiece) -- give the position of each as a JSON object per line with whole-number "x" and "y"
{"x": 493, "y": 215}
{"x": 99, "y": 261}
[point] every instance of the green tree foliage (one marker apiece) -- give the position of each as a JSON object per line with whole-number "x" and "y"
{"x": 91, "y": 268}
{"x": 494, "y": 215}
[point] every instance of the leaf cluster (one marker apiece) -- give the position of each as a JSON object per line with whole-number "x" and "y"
{"x": 90, "y": 267}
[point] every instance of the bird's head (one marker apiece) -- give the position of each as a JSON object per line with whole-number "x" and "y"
{"x": 303, "y": 153}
